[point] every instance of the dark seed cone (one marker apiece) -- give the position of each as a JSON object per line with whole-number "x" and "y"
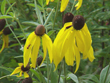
{"x": 39, "y": 60}
{"x": 40, "y": 30}
{"x": 2, "y": 24}
{"x": 25, "y": 68}
{"x": 68, "y": 17}
{"x": 7, "y": 31}
{"x": 78, "y": 22}
{"x": 27, "y": 80}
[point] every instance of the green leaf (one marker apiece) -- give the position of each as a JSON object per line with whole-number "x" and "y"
{"x": 3, "y": 7}
{"x": 50, "y": 32}
{"x": 104, "y": 74}
{"x": 48, "y": 17}
{"x": 31, "y": 23}
{"x": 5, "y": 68}
{"x": 38, "y": 12}
{"x": 5, "y": 16}
{"x": 73, "y": 77}
{"x": 9, "y": 8}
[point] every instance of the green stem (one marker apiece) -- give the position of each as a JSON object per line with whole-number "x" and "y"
{"x": 17, "y": 20}
{"x": 47, "y": 69}
{"x": 60, "y": 72}
{"x": 72, "y": 6}
{"x": 13, "y": 33}
{"x": 21, "y": 27}
{"x": 64, "y": 65}
{"x": 56, "y": 14}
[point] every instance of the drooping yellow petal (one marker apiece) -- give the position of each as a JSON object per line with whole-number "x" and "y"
{"x": 91, "y": 54}
{"x": 6, "y": 40}
{"x": 79, "y": 41}
{"x": 48, "y": 43}
{"x": 20, "y": 64}
{"x": 17, "y": 70}
{"x": 77, "y": 55}
{"x": 26, "y": 75}
{"x": 87, "y": 39}
{"x": 28, "y": 48}
{"x": 63, "y": 5}
{"x": 3, "y": 45}
{"x": 44, "y": 48}
{"x": 57, "y": 47}
{"x": 20, "y": 74}
{"x": 35, "y": 51}
{"x": 78, "y": 5}
{"x": 68, "y": 49}
{"x": 47, "y": 2}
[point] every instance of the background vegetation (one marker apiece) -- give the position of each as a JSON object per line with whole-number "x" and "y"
{"x": 25, "y": 15}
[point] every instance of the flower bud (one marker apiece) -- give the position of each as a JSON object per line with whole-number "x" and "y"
{"x": 7, "y": 31}
{"x": 40, "y": 30}
{"x": 27, "y": 80}
{"x": 68, "y": 17}
{"x": 2, "y": 24}
{"x": 39, "y": 60}
{"x": 78, "y": 22}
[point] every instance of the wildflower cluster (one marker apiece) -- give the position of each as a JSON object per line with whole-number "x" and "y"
{"x": 71, "y": 41}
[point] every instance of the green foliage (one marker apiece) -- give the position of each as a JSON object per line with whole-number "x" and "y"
{"x": 25, "y": 15}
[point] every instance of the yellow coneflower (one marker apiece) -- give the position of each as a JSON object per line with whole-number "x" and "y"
{"x": 21, "y": 69}
{"x": 32, "y": 45}
{"x": 71, "y": 41}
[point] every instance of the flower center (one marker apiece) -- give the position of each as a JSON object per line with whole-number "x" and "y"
{"x": 25, "y": 68}
{"x": 68, "y": 17}
{"x": 2, "y": 24}
{"x": 40, "y": 30}
{"x": 7, "y": 31}
{"x": 78, "y": 22}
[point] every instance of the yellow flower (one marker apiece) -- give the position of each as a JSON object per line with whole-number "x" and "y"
{"x": 47, "y": 1}
{"x": 21, "y": 69}
{"x": 32, "y": 46}
{"x": 64, "y": 4}
{"x": 5, "y": 32}
{"x": 71, "y": 41}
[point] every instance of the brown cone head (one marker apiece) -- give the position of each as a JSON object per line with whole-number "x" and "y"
{"x": 68, "y": 17}
{"x": 40, "y": 30}
{"x": 78, "y": 22}
{"x": 7, "y": 31}
{"x": 2, "y": 24}
{"x": 39, "y": 60}
{"x": 24, "y": 69}
{"x": 27, "y": 80}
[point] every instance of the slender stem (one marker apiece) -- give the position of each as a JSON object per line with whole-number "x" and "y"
{"x": 21, "y": 27}
{"x": 13, "y": 33}
{"x": 47, "y": 69}
{"x": 72, "y": 6}
{"x": 60, "y": 72}
{"x": 17, "y": 20}
{"x": 64, "y": 65}
{"x": 56, "y": 13}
